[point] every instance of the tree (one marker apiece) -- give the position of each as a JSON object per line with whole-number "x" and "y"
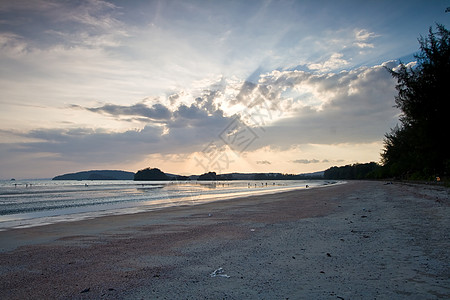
{"x": 417, "y": 146}
{"x": 150, "y": 175}
{"x": 211, "y": 176}
{"x": 355, "y": 171}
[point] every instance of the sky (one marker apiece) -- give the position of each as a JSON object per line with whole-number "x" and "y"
{"x": 197, "y": 86}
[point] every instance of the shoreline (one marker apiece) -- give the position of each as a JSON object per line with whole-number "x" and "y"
{"x": 47, "y": 232}
{"x": 29, "y": 219}
{"x": 362, "y": 239}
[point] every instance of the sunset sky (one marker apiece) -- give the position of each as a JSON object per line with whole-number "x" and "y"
{"x": 196, "y": 86}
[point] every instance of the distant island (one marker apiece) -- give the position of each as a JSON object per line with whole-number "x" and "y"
{"x": 97, "y": 175}
{"x": 151, "y": 174}
{"x": 211, "y": 176}
{"x": 356, "y": 171}
{"x": 155, "y": 174}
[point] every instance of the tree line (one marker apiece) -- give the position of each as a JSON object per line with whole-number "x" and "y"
{"x": 417, "y": 147}
{"x": 356, "y": 171}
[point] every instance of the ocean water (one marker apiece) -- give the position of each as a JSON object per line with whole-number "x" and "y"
{"x": 38, "y": 202}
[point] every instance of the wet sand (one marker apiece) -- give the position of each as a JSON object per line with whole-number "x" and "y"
{"x": 361, "y": 240}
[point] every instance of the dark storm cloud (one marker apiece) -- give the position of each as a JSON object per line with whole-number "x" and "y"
{"x": 156, "y": 112}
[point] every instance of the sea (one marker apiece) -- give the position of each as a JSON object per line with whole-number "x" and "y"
{"x": 29, "y": 203}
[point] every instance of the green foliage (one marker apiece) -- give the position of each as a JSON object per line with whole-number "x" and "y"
{"x": 149, "y": 174}
{"x": 356, "y": 171}
{"x": 417, "y": 147}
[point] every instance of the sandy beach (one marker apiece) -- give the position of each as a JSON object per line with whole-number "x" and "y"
{"x": 360, "y": 240}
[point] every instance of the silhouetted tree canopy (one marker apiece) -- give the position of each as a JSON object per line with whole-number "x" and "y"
{"x": 150, "y": 174}
{"x": 355, "y": 171}
{"x": 417, "y": 147}
{"x": 209, "y": 176}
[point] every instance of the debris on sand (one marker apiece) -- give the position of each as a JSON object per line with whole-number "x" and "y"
{"x": 219, "y": 273}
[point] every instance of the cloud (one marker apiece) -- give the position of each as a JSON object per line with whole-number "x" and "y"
{"x": 348, "y": 107}
{"x": 353, "y": 106}
{"x": 316, "y": 161}
{"x": 202, "y": 111}
{"x": 306, "y": 161}
{"x": 88, "y": 22}
{"x": 246, "y": 90}
{"x": 334, "y": 62}
{"x": 155, "y": 112}
{"x": 12, "y": 44}
{"x": 362, "y": 36}
{"x": 95, "y": 13}
{"x": 185, "y": 129}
